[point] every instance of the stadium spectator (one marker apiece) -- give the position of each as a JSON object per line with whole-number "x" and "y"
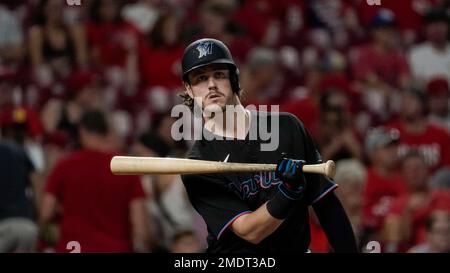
{"x": 159, "y": 64}
{"x": 101, "y": 211}
{"x": 322, "y": 54}
{"x": 431, "y": 59}
{"x": 405, "y": 223}
{"x": 339, "y": 17}
{"x": 185, "y": 241}
{"x": 20, "y": 186}
{"x": 384, "y": 182}
{"x": 272, "y": 24}
{"x": 381, "y": 68}
{"x": 409, "y": 14}
{"x": 351, "y": 178}
{"x": 438, "y": 234}
{"x": 419, "y": 133}
{"x": 163, "y": 53}
{"x": 113, "y": 44}
{"x": 167, "y": 202}
{"x": 262, "y": 80}
{"x": 440, "y": 179}
{"x": 142, "y": 14}
{"x": 54, "y": 43}
{"x": 12, "y": 42}
{"x": 18, "y": 229}
{"x": 83, "y": 93}
{"x": 438, "y": 92}
{"x": 214, "y": 19}
{"x": 334, "y": 133}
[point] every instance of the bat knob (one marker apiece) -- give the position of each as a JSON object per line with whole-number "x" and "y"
{"x": 330, "y": 168}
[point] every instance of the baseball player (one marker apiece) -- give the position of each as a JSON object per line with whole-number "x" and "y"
{"x": 254, "y": 212}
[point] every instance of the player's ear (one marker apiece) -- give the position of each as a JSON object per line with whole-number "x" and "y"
{"x": 188, "y": 88}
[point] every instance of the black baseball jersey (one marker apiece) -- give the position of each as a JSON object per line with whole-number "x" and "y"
{"x": 221, "y": 198}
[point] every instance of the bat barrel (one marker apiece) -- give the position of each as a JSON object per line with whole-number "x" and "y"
{"x": 125, "y": 165}
{"x": 328, "y": 168}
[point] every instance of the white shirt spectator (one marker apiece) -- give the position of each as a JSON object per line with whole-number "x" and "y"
{"x": 10, "y": 28}
{"x": 427, "y": 62}
{"x": 142, "y": 14}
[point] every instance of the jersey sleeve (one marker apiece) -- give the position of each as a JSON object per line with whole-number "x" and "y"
{"x": 304, "y": 148}
{"x": 217, "y": 204}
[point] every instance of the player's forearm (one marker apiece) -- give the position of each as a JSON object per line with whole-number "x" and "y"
{"x": 256, "y": 226}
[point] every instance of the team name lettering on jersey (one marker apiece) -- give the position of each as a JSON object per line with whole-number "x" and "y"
{"x": 252, "y": 186}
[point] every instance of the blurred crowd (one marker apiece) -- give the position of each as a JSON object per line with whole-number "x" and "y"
{"x": 79, "y": 84}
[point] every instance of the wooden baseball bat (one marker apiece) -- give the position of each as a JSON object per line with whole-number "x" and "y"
{"x": 127, "y": 165}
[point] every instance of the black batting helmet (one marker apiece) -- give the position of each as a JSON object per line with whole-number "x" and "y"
{"x": 209, "y": 51}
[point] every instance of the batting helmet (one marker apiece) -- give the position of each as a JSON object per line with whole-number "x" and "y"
{"x": 209, "y": 51}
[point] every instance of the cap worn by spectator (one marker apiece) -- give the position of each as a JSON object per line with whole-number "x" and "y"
{"x": 384, "y": 19}
{"x": 381, "y": 137}
{"x": 438, "y": 86}
{"x": 22, "y": 116}
{"x": 14, "y": 116}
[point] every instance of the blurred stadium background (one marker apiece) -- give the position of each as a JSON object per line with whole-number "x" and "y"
{"x": 81, "y": 83}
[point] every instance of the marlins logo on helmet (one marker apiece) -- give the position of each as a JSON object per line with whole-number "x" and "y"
{"x": 204, "y": 49}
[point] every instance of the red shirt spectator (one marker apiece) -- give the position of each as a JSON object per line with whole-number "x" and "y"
{"x": 438, "y": 200}
{"x": 160, "y": 57}
{"x": 378, "y": 196}
{"x": 160, "y": 67}
{"x": 387, "y": 66}
{"x": 258, "y": 17}
{"x": 305, "y": 109}
{"x": 432, "y": 143}
{"x": 95, "y": 202}
{"x": 109, "y": 41}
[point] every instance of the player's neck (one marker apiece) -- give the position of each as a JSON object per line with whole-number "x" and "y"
{"x": 235, "y": 123}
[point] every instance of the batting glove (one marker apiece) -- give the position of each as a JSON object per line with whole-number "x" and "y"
{"x": 290, "y": 171}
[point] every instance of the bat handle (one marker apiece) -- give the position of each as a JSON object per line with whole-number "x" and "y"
{"x": 328, "y": 168}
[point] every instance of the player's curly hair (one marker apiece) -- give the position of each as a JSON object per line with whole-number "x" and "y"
{"x": 187, "y": 100}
